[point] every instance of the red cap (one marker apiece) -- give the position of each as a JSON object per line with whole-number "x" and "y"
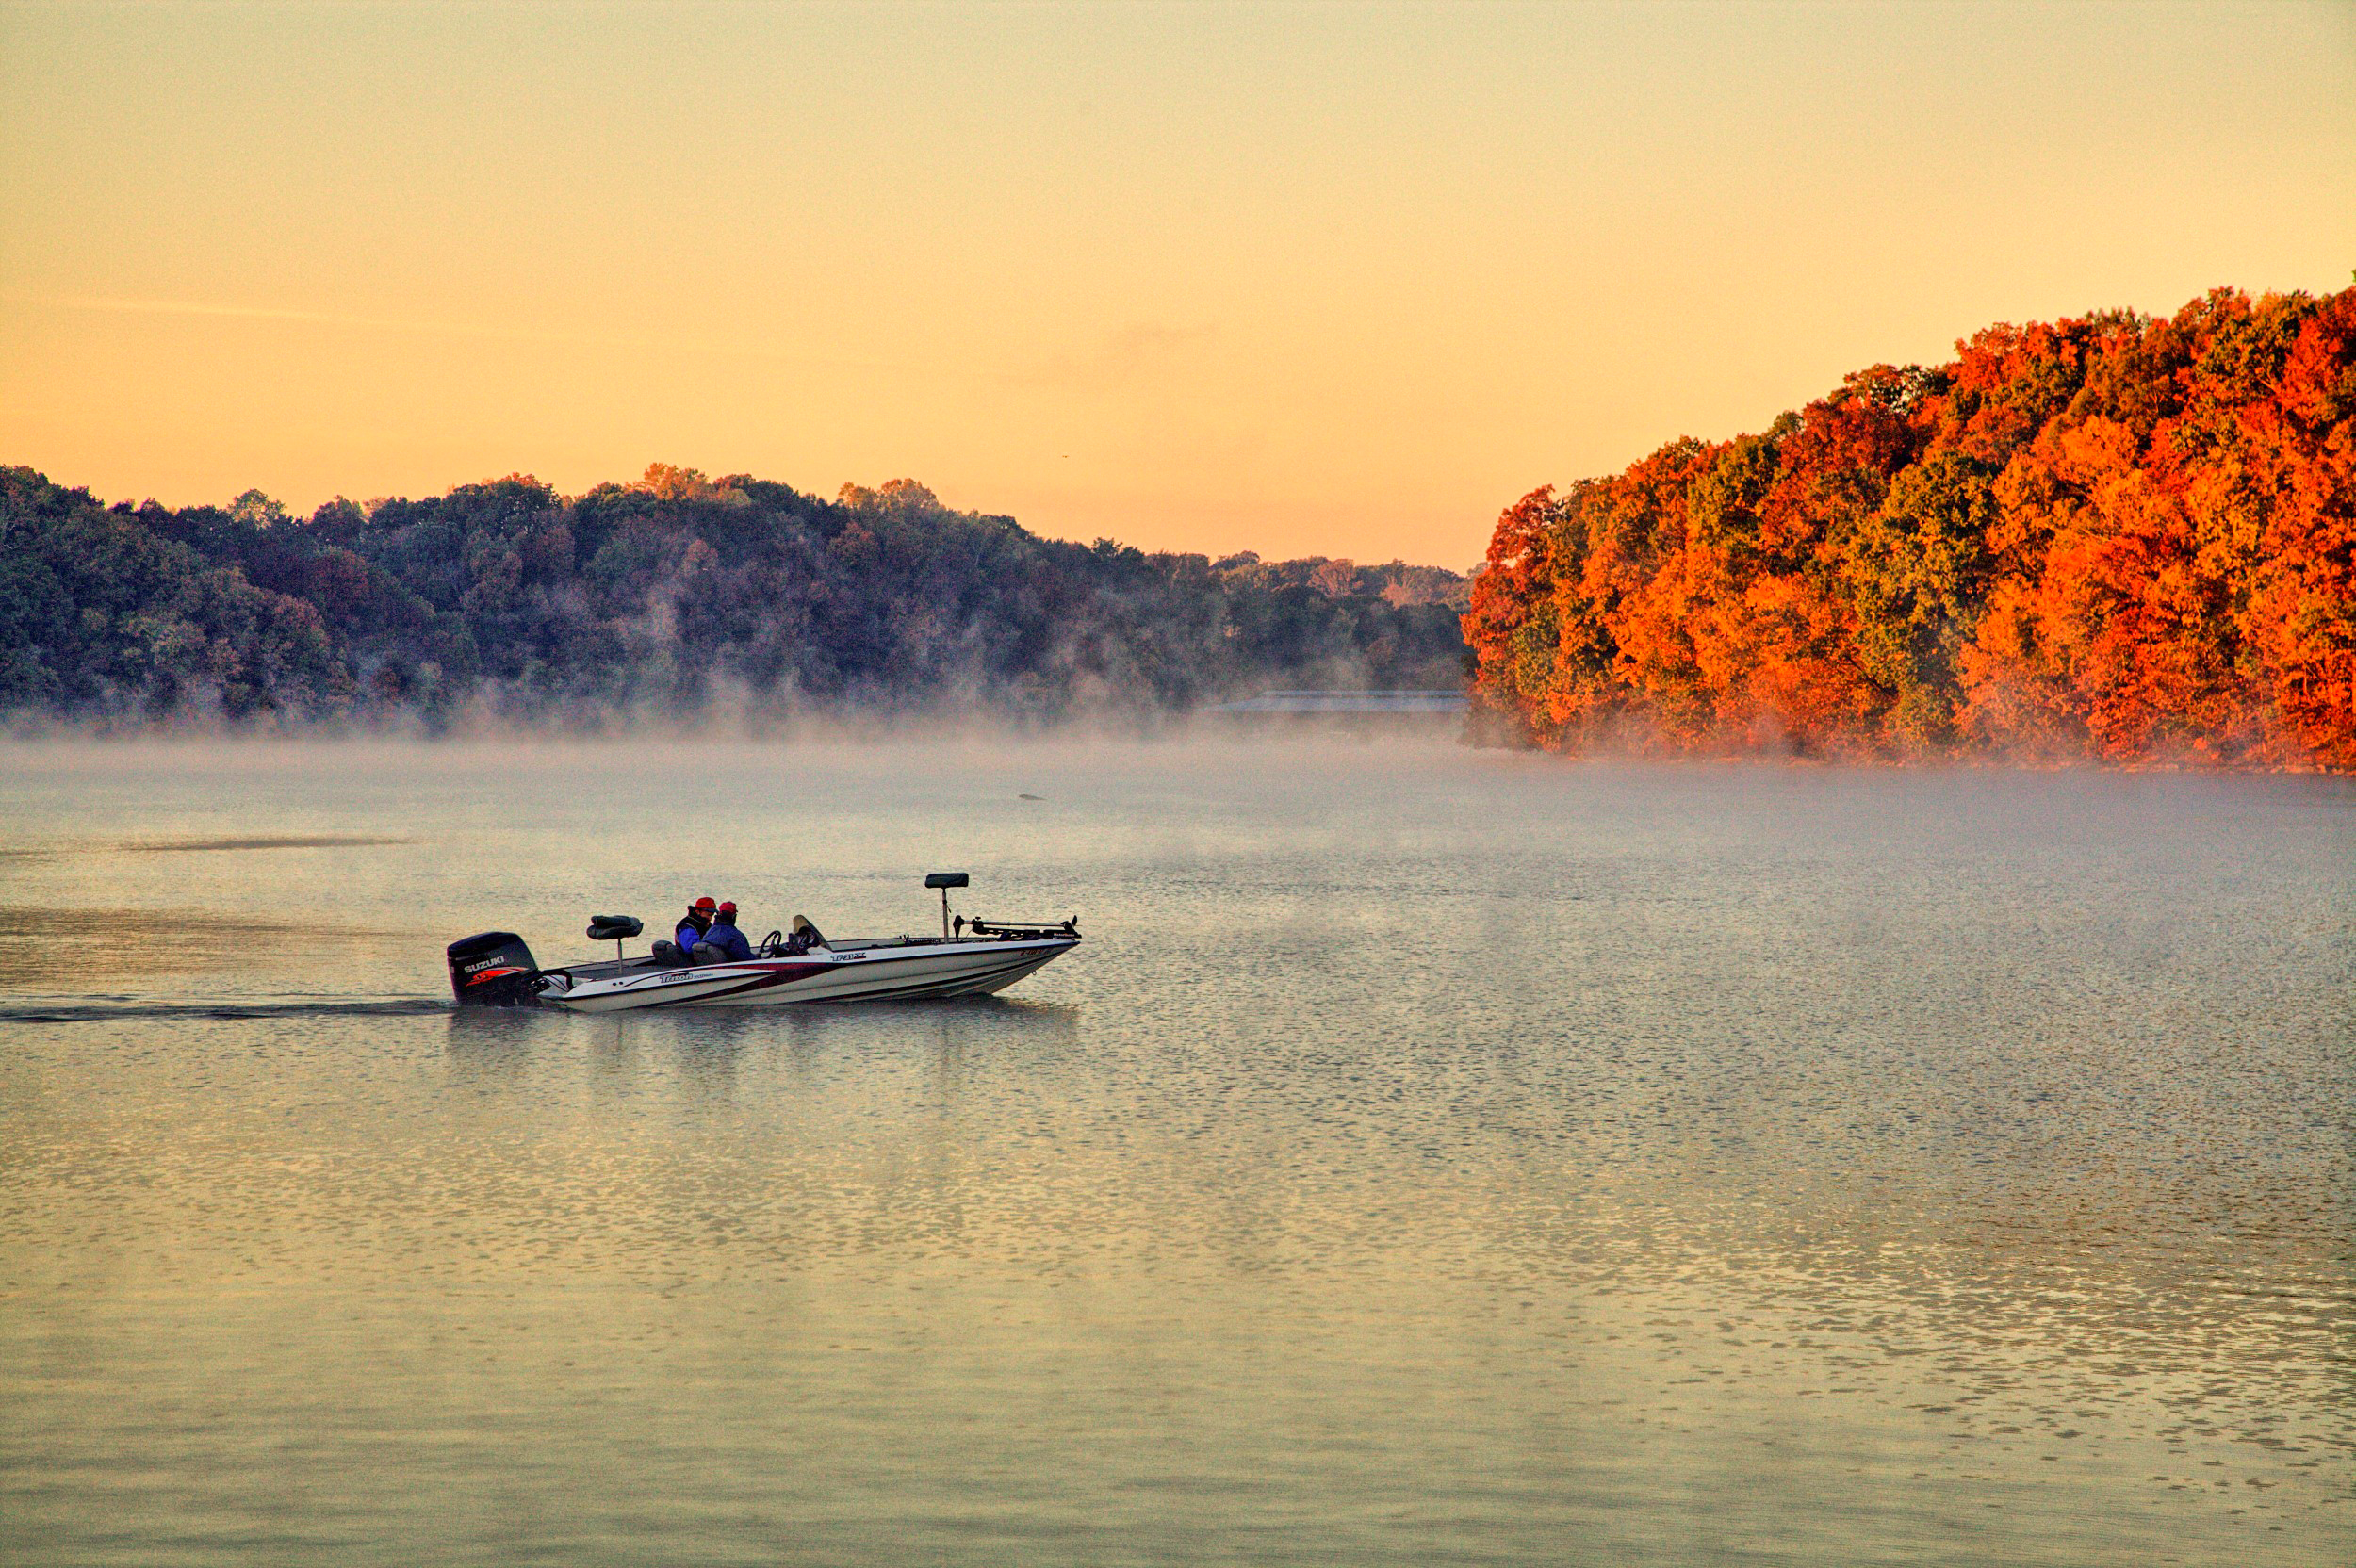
{"x": 727, "y": 906}
{"x": 706, "y": 904}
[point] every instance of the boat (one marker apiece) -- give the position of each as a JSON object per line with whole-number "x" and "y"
{"x": 970, "y": 957}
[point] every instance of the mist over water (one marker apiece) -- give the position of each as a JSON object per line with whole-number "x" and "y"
{"x": 1429, "y": 1155}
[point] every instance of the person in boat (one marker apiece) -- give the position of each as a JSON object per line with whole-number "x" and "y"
{"x": 724, "y": 943}
{"x": 692, "y": 925}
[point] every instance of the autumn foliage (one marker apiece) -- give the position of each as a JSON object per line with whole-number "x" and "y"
{"x": 2114, "y": 537}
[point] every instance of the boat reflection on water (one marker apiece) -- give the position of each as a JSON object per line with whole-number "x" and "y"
{"x": 489, "y": 1045}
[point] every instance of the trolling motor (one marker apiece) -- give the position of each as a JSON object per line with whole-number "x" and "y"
{"x": 493, "y": 968}
{"x": 1002, "y": 931}
{"x": 994, "y": 930}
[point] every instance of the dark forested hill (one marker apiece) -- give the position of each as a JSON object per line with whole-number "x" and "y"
{"x": 2117, "y": 537}
{"x": 675, "y": 597}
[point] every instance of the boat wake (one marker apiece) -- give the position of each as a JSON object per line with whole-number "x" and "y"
{"x": 103, "y": 1010}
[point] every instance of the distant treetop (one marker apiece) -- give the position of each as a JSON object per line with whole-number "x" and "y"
{"x": 675, "y": 597}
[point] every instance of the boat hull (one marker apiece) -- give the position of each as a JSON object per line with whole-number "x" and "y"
{"x": 878, "y": 973}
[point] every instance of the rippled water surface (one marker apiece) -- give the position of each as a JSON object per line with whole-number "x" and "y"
{"x": 1429, "y": 1156}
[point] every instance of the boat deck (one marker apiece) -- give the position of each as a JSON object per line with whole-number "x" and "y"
{"x": 607, "y": 969}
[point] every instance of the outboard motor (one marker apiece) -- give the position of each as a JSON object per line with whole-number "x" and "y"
{"x": 493, "y": 970}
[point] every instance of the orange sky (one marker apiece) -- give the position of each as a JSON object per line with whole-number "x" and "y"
{"x": 1336, "y": 280}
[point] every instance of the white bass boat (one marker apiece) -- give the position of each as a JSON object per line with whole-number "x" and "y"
{"x": 970, "y": 957}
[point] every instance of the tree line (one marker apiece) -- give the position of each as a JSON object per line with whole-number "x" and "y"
{"x": 675, "y": 597}
{"x": 2114, "y": 537}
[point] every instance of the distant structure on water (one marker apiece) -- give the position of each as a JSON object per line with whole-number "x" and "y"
{"x": 1309, "y": 704}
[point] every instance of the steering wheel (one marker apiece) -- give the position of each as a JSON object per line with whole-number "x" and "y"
{"x": 769, "y": 944}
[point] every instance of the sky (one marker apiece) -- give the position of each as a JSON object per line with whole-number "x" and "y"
{"x": 1334, "y": 279}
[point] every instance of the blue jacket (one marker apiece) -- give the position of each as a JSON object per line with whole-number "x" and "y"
{"x": 729, "y": 940}
{"x": 687, "y": 936}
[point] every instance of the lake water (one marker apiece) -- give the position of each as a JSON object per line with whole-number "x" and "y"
{"x": 1429, "y": 1156}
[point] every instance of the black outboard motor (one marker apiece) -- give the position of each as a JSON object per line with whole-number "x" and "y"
{"x": 493, "y": 970}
